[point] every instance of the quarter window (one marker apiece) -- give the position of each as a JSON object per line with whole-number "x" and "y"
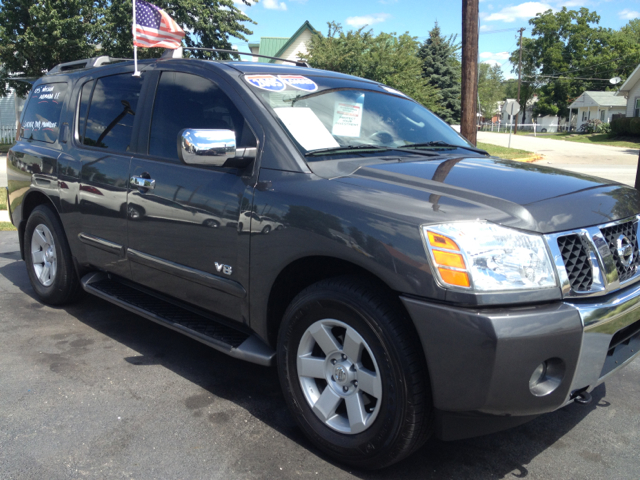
{"x": 42, "y": 117}
{"x": 189, "y": 101}
{"x": 112, "y": 109}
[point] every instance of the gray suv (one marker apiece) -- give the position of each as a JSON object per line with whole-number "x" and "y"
{"x": 405, "y": 283}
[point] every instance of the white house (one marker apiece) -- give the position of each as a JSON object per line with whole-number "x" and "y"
{"x": 604, "y": 106}
{"x": 283, "y": 47}
{"x": 630, "y": 90}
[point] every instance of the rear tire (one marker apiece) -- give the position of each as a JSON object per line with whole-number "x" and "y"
{"x": 353, "y": 374}
{"x": 48, "y": 258}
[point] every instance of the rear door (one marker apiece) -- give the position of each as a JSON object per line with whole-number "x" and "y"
{"x": 183, "y": 235}
{"x": 107, "y": 111}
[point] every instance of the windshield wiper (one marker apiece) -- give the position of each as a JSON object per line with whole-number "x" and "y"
{"x": 330, "y": 150}
{"x": 440, "y": 143}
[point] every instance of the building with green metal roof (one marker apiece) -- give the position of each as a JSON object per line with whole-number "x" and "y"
{"x": 284, "y": 47}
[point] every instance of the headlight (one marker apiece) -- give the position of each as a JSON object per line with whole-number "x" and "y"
{"x": 486, "y": 257}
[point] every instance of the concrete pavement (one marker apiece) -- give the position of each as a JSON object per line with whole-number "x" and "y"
{"x": 4, "y": 214}
{"x": 613, "y": 163}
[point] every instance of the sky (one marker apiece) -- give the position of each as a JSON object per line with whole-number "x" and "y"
{"x": 499, "y": 19}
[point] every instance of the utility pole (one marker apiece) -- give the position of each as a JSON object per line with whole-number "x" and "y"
{"x": 519, "y": 79}
{"x": 468, "y": 127}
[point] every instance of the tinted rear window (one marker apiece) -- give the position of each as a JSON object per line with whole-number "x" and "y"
{"x": 111, "y": 112}
{"x": 42, "y": 117}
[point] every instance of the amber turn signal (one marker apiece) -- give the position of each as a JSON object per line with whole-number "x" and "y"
{"x": 453, "y": 277}
{"x": 440, "y": 241}
{"x": 449, "y": 259}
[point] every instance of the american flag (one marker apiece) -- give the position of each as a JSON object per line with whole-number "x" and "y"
{"x": 154, "y": 28}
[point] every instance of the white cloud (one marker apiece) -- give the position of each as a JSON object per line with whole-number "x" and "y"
{"x": 574, "y": 3}
{"x": 627, "y": 14}
{"x": 495, "y": 56}
{"x": 274, "y": 5}
{"x": 486, "y": 28}
{"x": 523, "y": 11}
{"x": 367, "y": 19}
{"x": 491, "y": 62}
{"x": 389, "y": 2}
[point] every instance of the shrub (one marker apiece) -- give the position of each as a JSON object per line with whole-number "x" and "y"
{"x": 621, "y": 126}
{"x": 634, "y": 127}
{"x": 594, "y": 126}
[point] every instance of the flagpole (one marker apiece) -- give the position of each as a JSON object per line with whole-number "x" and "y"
{"x": 136, "y": 73}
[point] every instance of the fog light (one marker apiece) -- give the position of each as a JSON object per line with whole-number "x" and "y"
{"x": 546, "y": 377}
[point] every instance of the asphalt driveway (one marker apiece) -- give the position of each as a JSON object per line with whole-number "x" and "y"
{"x": 613, "y": 163}
{"x": 93, "y": 391}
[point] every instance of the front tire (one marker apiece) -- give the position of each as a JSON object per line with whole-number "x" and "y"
{"x": 48, "y": 258}
{"x": 353, "y": 373}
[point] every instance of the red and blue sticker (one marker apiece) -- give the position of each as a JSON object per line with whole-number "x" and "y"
{"x": 271, "y": 83}
{"x": 299, "y": 82}
{"x": 266, "y": 82}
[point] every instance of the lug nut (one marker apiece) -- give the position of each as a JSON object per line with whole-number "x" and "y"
{"x": 333, "y": 362}
{"x": 344, "y": 357}
{"x": 345, "y": 389}
{"x": 355, "y": 383}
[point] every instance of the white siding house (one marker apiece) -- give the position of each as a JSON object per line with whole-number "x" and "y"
{"x": 597, "y": 105}
{"x": 630, "y": 90}
{"x": 283, "y": 47}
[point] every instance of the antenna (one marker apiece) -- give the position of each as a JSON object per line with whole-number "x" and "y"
{"x": 615, "y": 80}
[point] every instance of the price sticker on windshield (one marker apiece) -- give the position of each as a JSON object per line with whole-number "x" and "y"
{"x": 347, "y": 118}
{"x": 269, "y": 83}
{"x": 299, "y": 82}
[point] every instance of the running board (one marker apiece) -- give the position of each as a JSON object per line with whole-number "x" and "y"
{"x": 215, "y": 334}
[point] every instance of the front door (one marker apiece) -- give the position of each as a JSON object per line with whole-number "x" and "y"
{"x": 183, "y": 236}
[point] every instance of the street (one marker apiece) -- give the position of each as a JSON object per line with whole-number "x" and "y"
{"x": 93, "y": 391}
{"x": 613, "y": 163}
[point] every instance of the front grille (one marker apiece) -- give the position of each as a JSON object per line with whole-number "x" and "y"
{"x": 611, "y": 234}
{"x": 576, "y": 260}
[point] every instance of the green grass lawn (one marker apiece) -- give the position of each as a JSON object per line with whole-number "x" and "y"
{"x": 6, "y": 226}
{"x": 3, "y": 198}
{"x": 504, "y": 152}
{"x": 4, "y": 147}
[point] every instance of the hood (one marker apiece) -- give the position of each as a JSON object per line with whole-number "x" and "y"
{"x": 521, "y": 195}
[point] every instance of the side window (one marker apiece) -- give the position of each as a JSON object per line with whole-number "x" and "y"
{"x": 111, "y": 112}
{"x": 189, "y": 101}
{"x": 42, "y": 117}
{"x": 85, "y": 96}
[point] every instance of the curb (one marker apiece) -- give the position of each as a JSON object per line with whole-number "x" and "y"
{"x": 530, "y": 158}
{"x": 4, "y": 216}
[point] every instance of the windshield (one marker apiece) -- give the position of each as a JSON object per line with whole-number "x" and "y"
{"x": 325, "y": 114}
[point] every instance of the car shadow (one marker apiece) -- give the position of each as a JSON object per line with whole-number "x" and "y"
{"x": 256, "y": 389}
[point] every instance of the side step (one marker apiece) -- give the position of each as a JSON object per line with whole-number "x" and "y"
{"x": 217, "y": 335}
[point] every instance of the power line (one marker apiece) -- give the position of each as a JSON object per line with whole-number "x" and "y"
{"x": 572, "y": 78}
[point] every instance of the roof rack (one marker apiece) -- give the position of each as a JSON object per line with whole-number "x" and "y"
{"x": 298, "y": 63}
{"x": 86, "y": 63}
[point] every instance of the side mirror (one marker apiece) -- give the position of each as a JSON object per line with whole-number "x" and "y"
{"x": 212, "y": 147}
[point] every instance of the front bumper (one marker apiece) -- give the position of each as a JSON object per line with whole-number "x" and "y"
{"x": 480, "y": 361}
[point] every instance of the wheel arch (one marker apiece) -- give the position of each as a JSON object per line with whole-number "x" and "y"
{"x": 31, "y": 200}
{"x": 303, "y": 272}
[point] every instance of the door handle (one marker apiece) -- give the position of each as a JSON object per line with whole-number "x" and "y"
{"x": 140, "y": 182}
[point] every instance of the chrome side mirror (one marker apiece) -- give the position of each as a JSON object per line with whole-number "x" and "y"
{"x": 206, "y": 147}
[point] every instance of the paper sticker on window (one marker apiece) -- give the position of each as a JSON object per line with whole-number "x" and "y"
{"x": 306, "y": 128}
{"x": 347, "y": 118}
{"x": 266, "y": 82}
{"x": 299, "y": 82}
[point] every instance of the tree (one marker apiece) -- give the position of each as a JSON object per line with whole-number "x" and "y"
{"x": 207, "y": 23}
{"x": 490, "y": 89}
{"x": 568, "y": 47}
{"x": 441, "y": 69}
{"x": 530, "y": 82}
{"x": 385, "y": 58}
{"x": 36, "y": 36}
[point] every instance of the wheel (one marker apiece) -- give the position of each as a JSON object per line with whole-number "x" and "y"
{"x": 211, "y": 223}
{"x": 353, "y": 374}
{"x": 544, "y": 130}
{"x": 48, "y": 258}
{"x": 266, "y": 229}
